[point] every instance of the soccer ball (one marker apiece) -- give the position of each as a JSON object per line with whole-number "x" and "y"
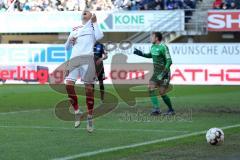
{"x": 215, "y": 136}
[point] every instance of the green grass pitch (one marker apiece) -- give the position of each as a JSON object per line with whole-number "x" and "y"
{"x": 29, "y": 128}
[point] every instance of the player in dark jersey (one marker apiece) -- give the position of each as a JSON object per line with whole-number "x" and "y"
{"x": 99, "y": 56}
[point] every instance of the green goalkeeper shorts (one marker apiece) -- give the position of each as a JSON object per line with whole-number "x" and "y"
{"x": 164, "y": 82}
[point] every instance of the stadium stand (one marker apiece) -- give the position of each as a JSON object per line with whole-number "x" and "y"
{"x": 78, "y": 5}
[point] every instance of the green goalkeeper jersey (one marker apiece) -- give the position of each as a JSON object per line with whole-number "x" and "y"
{"x": 161, "y": 58}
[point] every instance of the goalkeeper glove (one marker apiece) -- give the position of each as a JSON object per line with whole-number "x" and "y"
{"x": 138, "y": 52}
{"x": 160, "y": 77}
{"x": 163, "y": 74}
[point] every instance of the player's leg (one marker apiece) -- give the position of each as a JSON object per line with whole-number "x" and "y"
{"x": 154, "y": 98}
{"x": 101, "y": 76}
{"x": 88, "y": 75}
{"x": 89, "y": 98}
{"x": 89, "y": 89}
{"x": 164, "y": 88}
{"x": 166, "y": 99}
{"x": 101, "y": 87}
{"x": 70, "y": 87}
{"x": 72, "y": 94}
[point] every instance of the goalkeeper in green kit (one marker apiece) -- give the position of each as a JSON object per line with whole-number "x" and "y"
{"x": 161, "y": 73}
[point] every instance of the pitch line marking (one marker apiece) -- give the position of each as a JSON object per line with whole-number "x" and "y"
{"x": 97, "y": 129}
{"x": 26, "y": 111}
{"x": 52, "y": 109}
{"x": 138, "y": 144}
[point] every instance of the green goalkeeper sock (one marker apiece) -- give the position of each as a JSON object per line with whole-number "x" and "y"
{"x": 167, "y": 101}
{"x": 154, "y": 99}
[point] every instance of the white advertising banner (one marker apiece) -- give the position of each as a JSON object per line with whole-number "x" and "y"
{"x": 190, "y": 53}
{"x": 206, "y": 74}
{"x": 183, "y": 75}
{"x": 180, "y": 74}
{"x": 123, "y": 21}
{"x": 204, "y": 64}
{"x": 181, "y": 53}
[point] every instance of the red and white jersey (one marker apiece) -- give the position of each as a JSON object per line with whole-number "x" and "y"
{"x": 86, "y": 36}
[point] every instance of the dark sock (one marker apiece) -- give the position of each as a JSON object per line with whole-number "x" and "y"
{"x": 167, "y": 101}
{"x": 102, "y": 91}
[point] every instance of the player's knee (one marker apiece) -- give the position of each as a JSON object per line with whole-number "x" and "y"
{"x": 89, "y": 88}
{"x": 151, "y": 91}
{"x": 151, "y": 87}
{"x": 162, "y": 93}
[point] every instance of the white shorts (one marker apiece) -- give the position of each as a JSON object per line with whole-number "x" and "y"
{"x": 82, "y": 67}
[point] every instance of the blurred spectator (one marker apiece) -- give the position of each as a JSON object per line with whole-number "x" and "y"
{"x": 156, "y": 5}
{"x": 100, "y": 5}
{"x": 217, "y": 4}
{"x": 225, "y": 6}
{"x": 135, "y": 5}
{"x": 228, "y": 2}
{"x": 237, "y": 2}
{"x": 145, "y": 4}
{"x": 233, "y": 5}
{"x": 27, "y": 6}
{"x": 171, "y": 4}
{"x": 180, "y": 4}
{"x": 2, "y": 6}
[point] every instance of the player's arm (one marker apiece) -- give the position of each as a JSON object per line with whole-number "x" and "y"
{"x": 168, "y": 58}
{"x": 140, "y": 53}
{"x": 97, "y": 32}
{"x": 168, "y": 63}
{"x": 105, "y": 55}
{"x": 70, "y": 41}
{"x": 67, "y": 43}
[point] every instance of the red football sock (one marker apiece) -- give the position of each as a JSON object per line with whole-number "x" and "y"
{"x": 90, "y": 100}
{"x": 73, "y": 97}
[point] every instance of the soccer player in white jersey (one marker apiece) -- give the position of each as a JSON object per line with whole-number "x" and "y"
{"x": 82, "y": 40}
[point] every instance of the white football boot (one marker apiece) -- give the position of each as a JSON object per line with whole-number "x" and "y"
{"x": 78, "y": 114}
{"x": 90, "y": 127}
